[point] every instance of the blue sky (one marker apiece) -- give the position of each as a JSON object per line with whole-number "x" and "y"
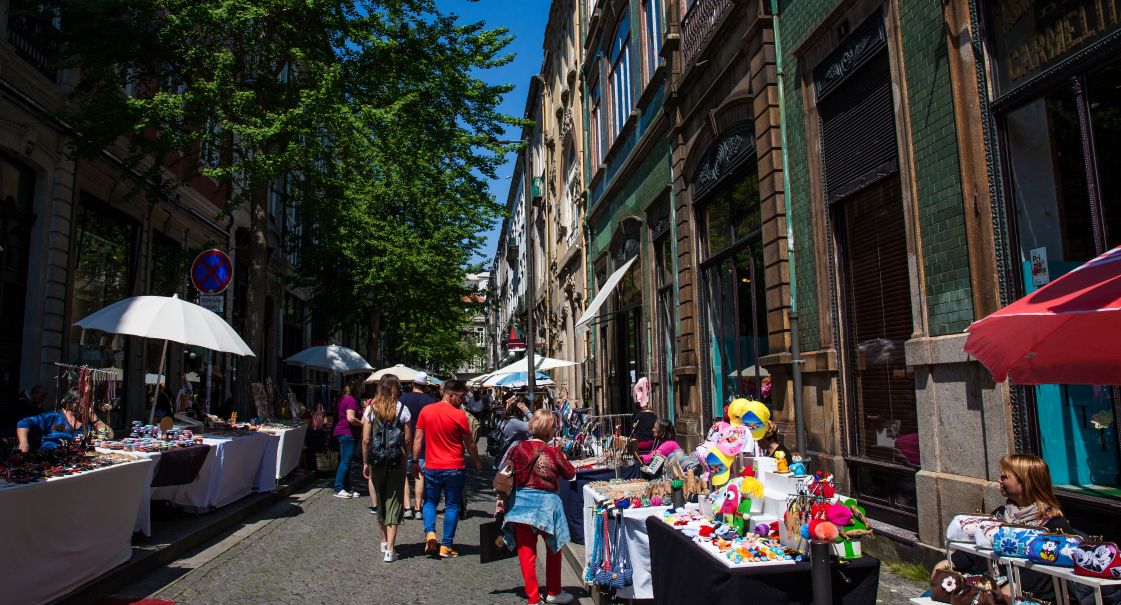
{"x": 526, "y": 20}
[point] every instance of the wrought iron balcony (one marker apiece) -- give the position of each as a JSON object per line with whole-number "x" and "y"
{"x": 699, "y": 24}
{"x": 35, "y": 39}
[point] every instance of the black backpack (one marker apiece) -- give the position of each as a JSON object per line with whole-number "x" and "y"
{"x": 388, "y": 444}
{"x": 496, "y": 441}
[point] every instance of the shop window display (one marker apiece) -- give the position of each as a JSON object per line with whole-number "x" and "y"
{"x": 735, "y": 293}
{"x": 105, "y": 257}
{"x": 1063, "y": 192}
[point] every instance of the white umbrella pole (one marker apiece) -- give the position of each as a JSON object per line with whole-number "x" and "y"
{"x": 156, "y": 392}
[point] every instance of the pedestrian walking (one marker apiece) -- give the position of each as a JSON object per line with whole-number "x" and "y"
{"x": 536, "y": 509}
{"x": 385, "y": 434}
{"x": 511, "y": 429}
{"x": 369, "y": 403}
{"x": 446, "y": 433}
{"x": 415, "y": 400}
{"x": 348, "y": 430}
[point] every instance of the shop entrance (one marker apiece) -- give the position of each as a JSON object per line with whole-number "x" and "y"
{"x": 17, "y": 196}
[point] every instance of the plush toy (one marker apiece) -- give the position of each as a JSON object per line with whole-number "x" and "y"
{"x": 782, "y": 467}
{"x": 823, "y": 530}
{"x": 797, "y": 465}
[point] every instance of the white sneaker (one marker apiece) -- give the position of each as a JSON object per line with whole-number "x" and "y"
{"x": 390, "y": 556}
{"x": 355, "y": 494}
{"x": 342, "y": 493}
{"x": 560, "y": 597}
{"x": 384, "y": 548}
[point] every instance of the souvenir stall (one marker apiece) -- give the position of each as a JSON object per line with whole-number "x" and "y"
{"x": 1081, "y": 569}
{"x": 68, "y": 512}
{"x": 722, "y": 522}
{"x": 597, "y": 450}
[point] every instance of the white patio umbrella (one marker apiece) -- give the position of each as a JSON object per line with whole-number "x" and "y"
{"x": 403, "y": 373}
{"x": 331, "y": 358}
{"x": 539, "y": 363}
{"x": 163, "y": 318}
{"x": 750, "y": 372}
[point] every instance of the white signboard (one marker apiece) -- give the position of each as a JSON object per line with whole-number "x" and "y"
{"x": 215, "y": 302}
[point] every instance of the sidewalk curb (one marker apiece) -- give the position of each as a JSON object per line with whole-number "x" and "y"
{"x": 146, "y": 560}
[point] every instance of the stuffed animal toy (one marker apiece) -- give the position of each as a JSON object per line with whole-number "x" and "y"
{"x": 797, "y": 465}
{"x": 782, "y": 468}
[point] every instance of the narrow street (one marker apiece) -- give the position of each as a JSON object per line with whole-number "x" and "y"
{"x": 315, "y": 548}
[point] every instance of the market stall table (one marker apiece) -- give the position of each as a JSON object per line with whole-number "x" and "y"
{"x": 684, "y": 573}
{"x": 289, "y": 449}
{"x": 638, "y": 544}
{"x": 237, "y": 466}
{"x": 66, "y": 531}
{"x": 179, "y": 466}
{"x": 572, "y": 495}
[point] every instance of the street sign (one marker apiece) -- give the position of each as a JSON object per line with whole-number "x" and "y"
{"x": 212, "y": 272}
{"x": 213, "y": 302}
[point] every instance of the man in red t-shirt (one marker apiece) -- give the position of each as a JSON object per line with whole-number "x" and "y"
{"x": 442, "y": 433}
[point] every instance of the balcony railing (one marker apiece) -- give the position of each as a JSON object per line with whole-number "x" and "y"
{"x": 35, "y": 39}
{"x": 699, "y": 24}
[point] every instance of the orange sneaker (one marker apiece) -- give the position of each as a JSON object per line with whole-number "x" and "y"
{"x": 430, "y": 543}
{"x": 448, "y": 552}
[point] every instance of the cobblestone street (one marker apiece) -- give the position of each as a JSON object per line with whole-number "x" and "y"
{"x": 315, "y": 548}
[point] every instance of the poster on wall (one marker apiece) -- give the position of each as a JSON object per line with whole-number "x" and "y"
{"x": 1040, "y": 275}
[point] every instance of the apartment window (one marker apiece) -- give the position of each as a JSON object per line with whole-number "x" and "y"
{"x": 209, "y": 144}
{"x": 595, "y": 129}
{"x": 570, "y": 214}
{"x": 652, "y": 12}
{"x": 620, "y": 78}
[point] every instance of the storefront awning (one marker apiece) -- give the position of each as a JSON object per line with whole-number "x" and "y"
{"x": 601, "y": 296}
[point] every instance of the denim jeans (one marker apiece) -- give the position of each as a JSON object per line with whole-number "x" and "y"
{"x": 451, "y": 483}
{"x": 346, "y": 454}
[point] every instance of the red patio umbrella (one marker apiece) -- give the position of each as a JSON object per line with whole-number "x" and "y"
{"x": 1067, "y": 332}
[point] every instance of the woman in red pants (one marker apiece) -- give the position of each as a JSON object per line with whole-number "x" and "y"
{"x": 535, "y": 508}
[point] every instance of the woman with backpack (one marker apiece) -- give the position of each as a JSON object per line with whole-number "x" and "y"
{"x": 536, "y": 510}
{"x": 511, "y": 429}
{"x": 385, "y": 433}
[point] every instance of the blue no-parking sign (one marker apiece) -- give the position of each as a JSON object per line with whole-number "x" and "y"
{"x": 212, "y": 272}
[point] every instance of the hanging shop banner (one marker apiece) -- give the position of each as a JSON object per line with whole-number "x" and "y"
{"x": 515, "y": 342}
{"x": 1031, "y": 37}
{"x": 212, "y": 272}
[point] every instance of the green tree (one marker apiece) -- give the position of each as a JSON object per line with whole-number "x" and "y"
{"x": 371, "y": 109}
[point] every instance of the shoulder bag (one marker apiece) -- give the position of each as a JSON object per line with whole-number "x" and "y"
{"x": 504, "y": 480}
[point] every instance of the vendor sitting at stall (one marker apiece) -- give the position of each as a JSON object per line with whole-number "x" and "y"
{"x": 772, "y": 442}
{"x": 51, "y": 429}
{"x": 664, "y": 441}
{"x": 1025, "y": 483}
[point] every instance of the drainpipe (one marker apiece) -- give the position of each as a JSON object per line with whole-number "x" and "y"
{"x": 796, "y": 361}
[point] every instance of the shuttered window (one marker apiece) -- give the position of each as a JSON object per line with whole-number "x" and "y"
{"x": 864, "y": 193}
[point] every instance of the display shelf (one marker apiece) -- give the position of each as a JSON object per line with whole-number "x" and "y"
{"x": 1062, "y": 575}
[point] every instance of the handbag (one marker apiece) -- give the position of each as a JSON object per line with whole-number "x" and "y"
{"x": 596, "y": 558}
{"x": 984, "y": 532}
{"x": 492, "y": 545}
{"x": 504, "y": 481}
{"x": 1097, "y": 560}
{"x": 1053, "y": 549}
{"x": 622, "y": 574}
{"x": 1012, "y": 540}
{"x": 975, "y": 594}
{"x": 944, "y": 584}
{"x": 603, "y": 573}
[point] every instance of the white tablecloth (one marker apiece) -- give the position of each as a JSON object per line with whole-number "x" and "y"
{"x": 638, "y": 544}
{"x": 288, "y": 452}
{"x": 61, "y": 533}
{"x": 235, "y": 468}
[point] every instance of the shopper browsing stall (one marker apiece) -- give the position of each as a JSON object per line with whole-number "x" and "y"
{"x": 536, "y": 509}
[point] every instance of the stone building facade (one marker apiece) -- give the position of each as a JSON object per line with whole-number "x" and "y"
{"x": 76, "y": 237}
